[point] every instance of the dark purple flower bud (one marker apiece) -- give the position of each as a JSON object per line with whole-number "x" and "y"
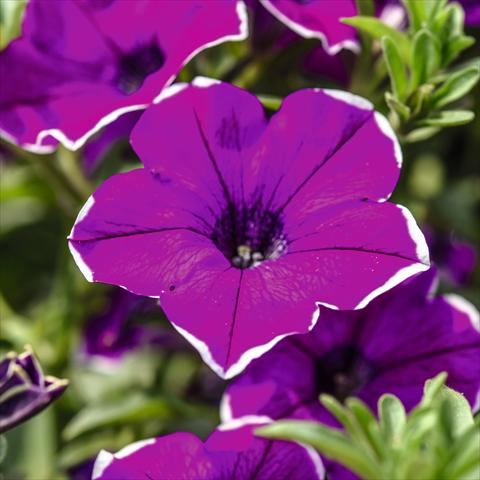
{"x": 24, "y": 389}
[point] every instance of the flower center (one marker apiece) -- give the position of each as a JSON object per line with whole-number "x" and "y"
{"x": 342, "y": 372}
{"x": 247, "y": 236}
{"x": 134, "y": 67}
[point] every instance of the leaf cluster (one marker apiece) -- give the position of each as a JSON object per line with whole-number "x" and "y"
{"x": 418, "y": 62}
{"x": 439, "y": 439}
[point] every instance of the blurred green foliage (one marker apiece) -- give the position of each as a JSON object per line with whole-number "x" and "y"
{"x": 46, "y": 302}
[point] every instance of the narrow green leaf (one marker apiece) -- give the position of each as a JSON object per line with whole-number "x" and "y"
{"x": 129, "y": 409}
{"x": 425, "y": 57}
{"x": 456, "y": 46}
{"x": 420, "y": 134}
{"x": 398, "y": 107}
{"x": 347, "y": 418}
{"x": 368, "y": 422}
{"x": 455, "y": 87}
{"x": 3, "y": 448}
{"x": 434, "y": 7}
{"x": 432, "y": 388}
{"x": 392, "y": 418}
{"x": 396, "y": 70}
{"x": 448, "y": 118}
{"x": 377, "y": 29}
{"x": 417, "y": 13}
{"x": 328, "y": 441}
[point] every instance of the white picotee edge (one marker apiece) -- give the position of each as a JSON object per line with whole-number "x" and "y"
{"x": 71, "y": 144}
{"x": 248, "y": 356}
{"x": 464, "y": 306}
{"x": 104, "y": 458}
{"x": 347, "y": 97}
{"x": 385, "y": 127}
{"x": 84, "y": 268}
{"x": 307, "y": 33}
{"x": 406, "y": 272}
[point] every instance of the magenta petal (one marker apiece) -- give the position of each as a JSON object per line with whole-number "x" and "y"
{"x": 231, "y": 451}
{"x": 100, "y": 60}
{"x": 367, "y": 247}
{"x": 222, "y": 124}
{"x": 318, "y": 19}
{"x": 314, "y": 152}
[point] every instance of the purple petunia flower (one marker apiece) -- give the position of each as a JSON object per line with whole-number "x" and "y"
{"x": 114, "y": 332}
{"x": 472, "y": 12}
{"x": 80, "y": 64}
{"x": 454, "y": 258}
{"x": 242, "y": 226}
{"x": 24, "y": 390}
{"x": 230, "y": 452}
{"x": 396, "y": 343}
{"x": 318, "y": 19}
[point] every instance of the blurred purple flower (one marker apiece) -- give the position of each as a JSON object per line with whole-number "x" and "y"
{"x": 231, "y": 452}
{"x": 114, "y": 332}
{"x": 24, "y": 390}
{"x": 80, "y": 64}
{"x": 396, "y": 343}
{"x": 242, "y": 226}
{"x": 472, "y": 12}
{"x": 318, "y": 19}
{"x": 454, "y": 258}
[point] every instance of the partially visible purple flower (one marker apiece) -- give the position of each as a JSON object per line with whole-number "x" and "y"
{"x": 231, "y": 452}
{"x": 80, "y": 64}
{"x": 114, "y": 332}
{"x": 394, "y": 345}
{"x": 454, "y": 258}
{"x": 472, "y": 12}
{"x": 24, "y": 390}
{"x": 318, "y": 19}
{"x": 99, "y": 146}
{"x": 242, "y": 226}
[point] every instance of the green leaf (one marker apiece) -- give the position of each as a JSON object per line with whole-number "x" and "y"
{"x": 425, "y": 57}
{"x": 417, "y": 13}
{"x": 3, "y": 448}
{"x": 330, "y": 442}
{"x": 392, "y": 418}
{"x": 349, "y": 421}
{"x": 130, "y": 408}
{"x": 434, "y": 7}
{"x": 10, "y": 19}
{"x": 377, "y": 29}
{"x": 456, "y": 46}
{"x": 455, "y": 410}
{"x": 455, "y": 87}
{"x": 398, "y": 107}
{"x": 448, "y": 118}
{"x": 464, "y": 456}
{"x": 432, "y": 388}
{"x": 396, "y": 70}
{"x": 368, "y": 422}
